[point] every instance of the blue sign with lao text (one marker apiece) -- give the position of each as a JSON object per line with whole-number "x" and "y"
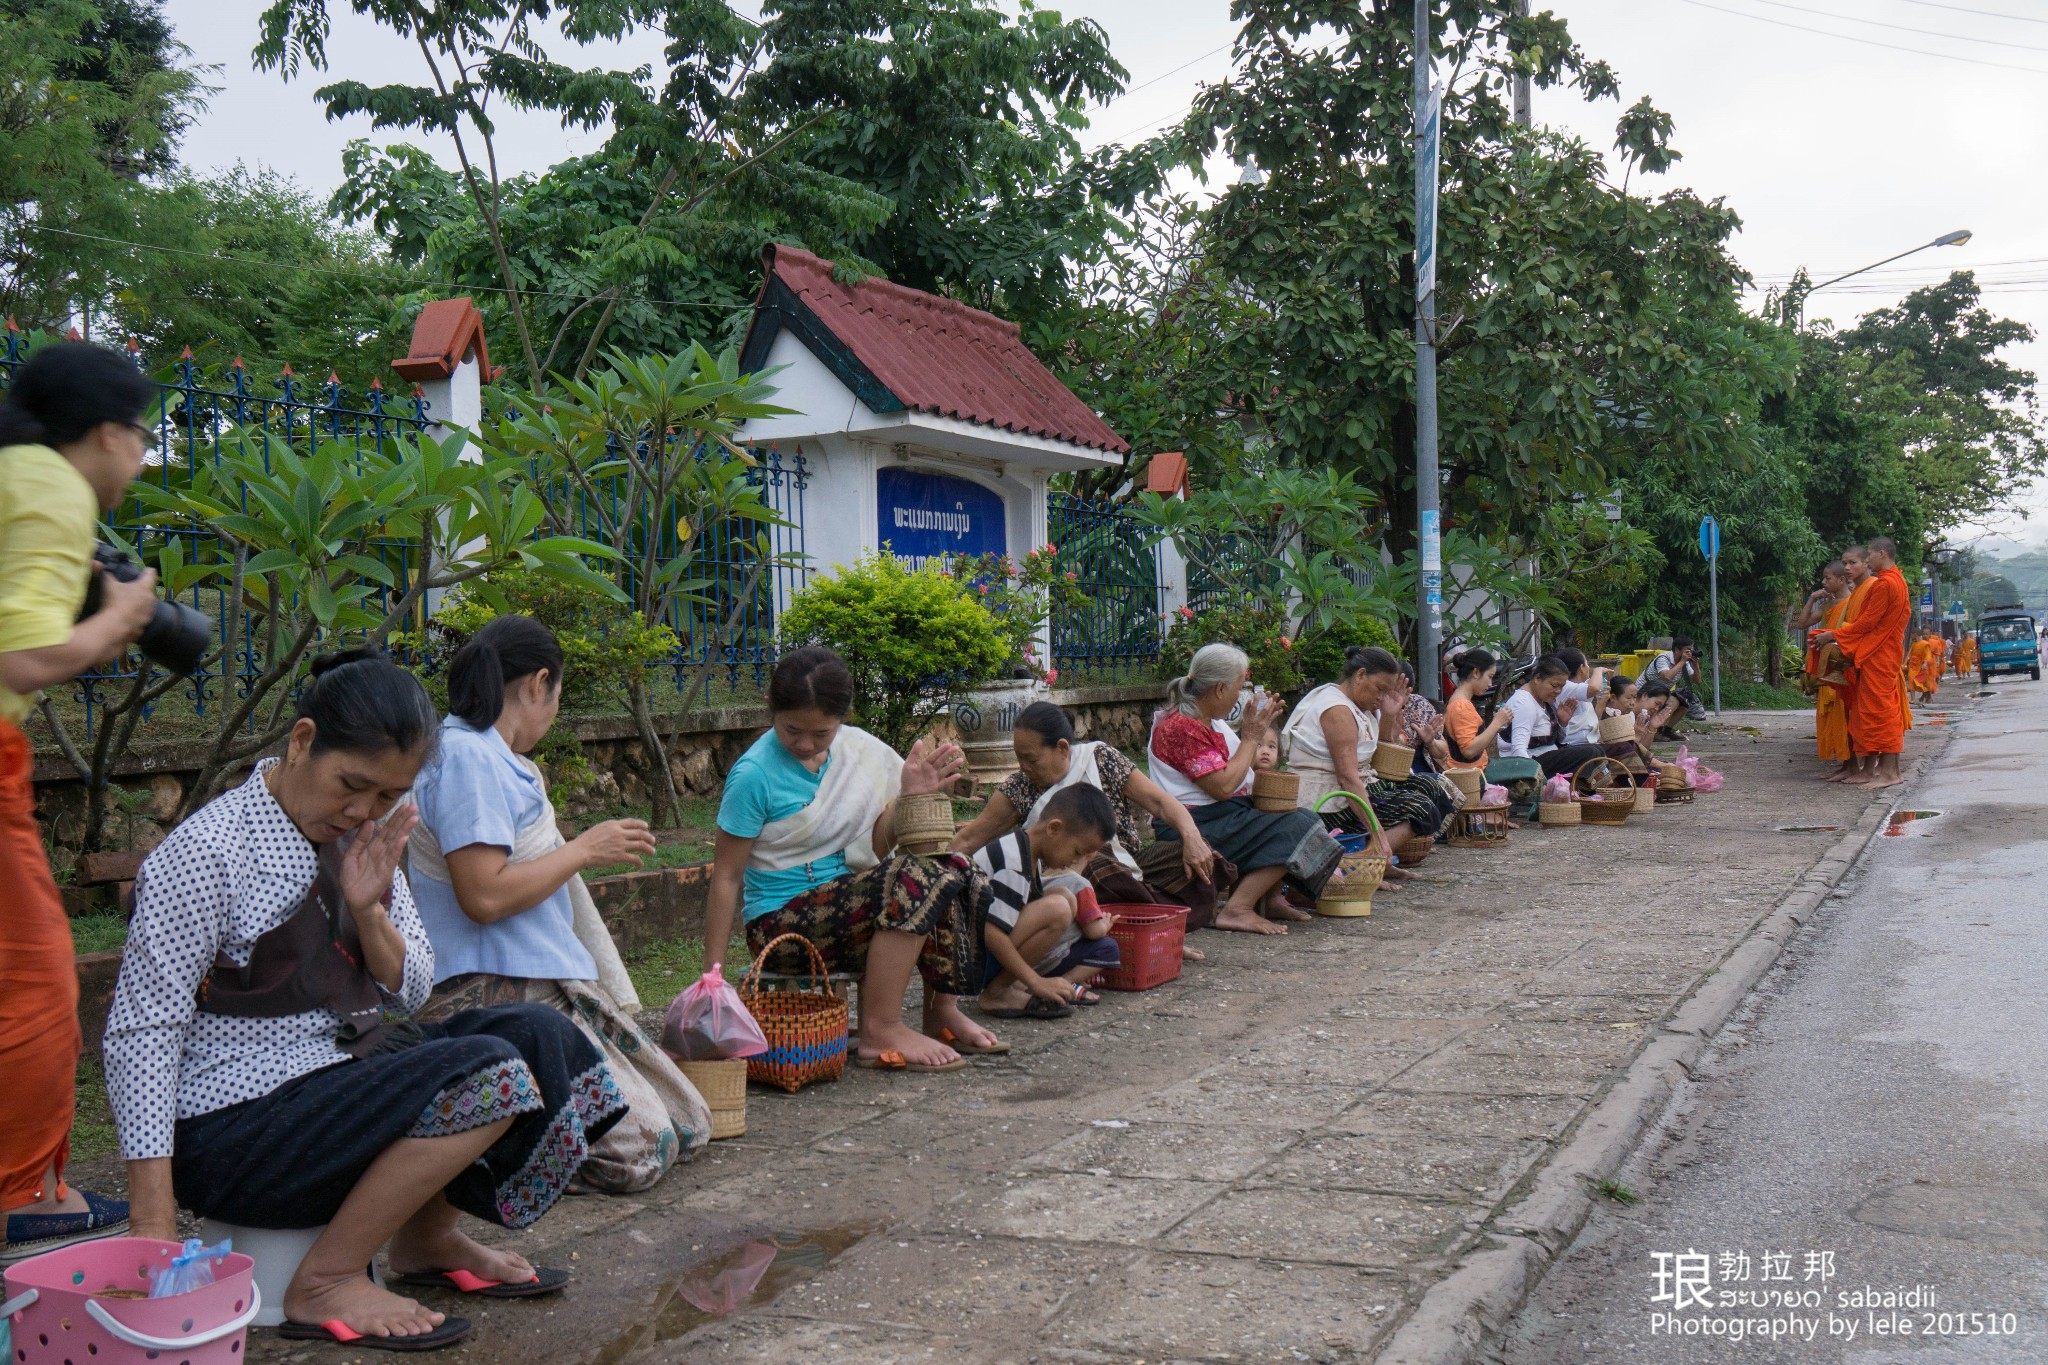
{"x": 928, "y": 518}
{"x": 1710, "y": 537}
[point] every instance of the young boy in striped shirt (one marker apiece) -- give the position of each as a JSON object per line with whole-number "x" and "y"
{"x": 1045, "y": 936}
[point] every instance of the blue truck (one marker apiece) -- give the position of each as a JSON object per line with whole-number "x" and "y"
{"x": 2007, "y": 643}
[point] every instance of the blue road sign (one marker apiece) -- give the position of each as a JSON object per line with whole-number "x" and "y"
{"x": 1710, "y": 538}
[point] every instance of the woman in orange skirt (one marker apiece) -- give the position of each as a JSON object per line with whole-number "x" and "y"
{"x": 71, "y": 441}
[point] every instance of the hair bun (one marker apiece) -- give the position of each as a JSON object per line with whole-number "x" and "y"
{"x": 327, "y": 663}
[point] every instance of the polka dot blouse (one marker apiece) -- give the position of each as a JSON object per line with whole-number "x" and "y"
{"x": 231, "y": 873}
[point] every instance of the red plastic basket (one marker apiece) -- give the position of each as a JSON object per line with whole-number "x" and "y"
{"x": 1149, "y": 939}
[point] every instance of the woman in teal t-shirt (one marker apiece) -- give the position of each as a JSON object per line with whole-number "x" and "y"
{"x": 806, "y": 834}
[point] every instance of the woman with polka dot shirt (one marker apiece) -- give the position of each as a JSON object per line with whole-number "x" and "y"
{"x": 262, "y": 1062}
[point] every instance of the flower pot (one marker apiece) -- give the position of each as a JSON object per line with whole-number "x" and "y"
{"x": 985, "y": 723}
{"x": 1276, "y": 791}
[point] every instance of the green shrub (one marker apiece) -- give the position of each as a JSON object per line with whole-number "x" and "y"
{"x": 912, "y": 640}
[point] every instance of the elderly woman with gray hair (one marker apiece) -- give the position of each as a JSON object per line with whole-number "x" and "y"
{"x": 1207, "y": 766}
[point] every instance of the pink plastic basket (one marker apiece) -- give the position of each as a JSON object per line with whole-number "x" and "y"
{"x": 58, "y": 1318}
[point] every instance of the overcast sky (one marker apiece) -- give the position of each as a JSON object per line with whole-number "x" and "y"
{"x": 1843, "y": 131}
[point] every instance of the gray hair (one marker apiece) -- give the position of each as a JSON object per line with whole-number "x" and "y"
{"x": 1213, "y": 666}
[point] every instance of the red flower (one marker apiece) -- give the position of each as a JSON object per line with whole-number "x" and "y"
{"x": 984, "y": 589}
{"x": 1187, "y": 614}
{"x": 1052, "y": 675}
{"x": 1286, "y": 643}
{"x": 1072, "y": 576}
{"x": 1051, "y": 548}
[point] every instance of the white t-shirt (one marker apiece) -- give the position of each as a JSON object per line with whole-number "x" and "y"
{"x": 1528, "y": 729}
{"x": 1585, "y": 720}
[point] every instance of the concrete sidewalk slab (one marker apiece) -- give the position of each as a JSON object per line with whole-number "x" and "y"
{"x": 1297, "y": 1150}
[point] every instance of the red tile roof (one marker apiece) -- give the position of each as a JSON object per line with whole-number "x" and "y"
{"x": 903, "y": 348}
{"x": 446, "y": 332}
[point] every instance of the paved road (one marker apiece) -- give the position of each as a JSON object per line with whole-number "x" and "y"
{"x": 1881, "y": 1098}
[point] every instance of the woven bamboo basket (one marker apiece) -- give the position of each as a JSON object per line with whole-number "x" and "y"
{"x": 723, "y": 1084}
{"x": 1617, "y": 729}
{"x": 1350, "y": 897}
{"x": 805, "y": 1029}
{"x": 923, "y": 820}
{"x": 1557, "y": 814}
{"x": 1673, "y": 793}
{"x": 1276, "y": 791}
{"x": 1598, "y": 806}
{"x": 1646, "y": 799}
{"x": 1413, "y": 849}
{"x": 1393, "y": 762}
{"x": 1471, "y": 781}
{"x": 1480, "y": 827}
{"x": 1670, "y": 773}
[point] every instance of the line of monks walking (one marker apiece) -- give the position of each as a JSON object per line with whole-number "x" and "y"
{"x": 1856, "y": 627}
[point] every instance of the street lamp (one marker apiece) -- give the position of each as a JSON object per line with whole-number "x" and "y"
{"x": 1797, "y": 297}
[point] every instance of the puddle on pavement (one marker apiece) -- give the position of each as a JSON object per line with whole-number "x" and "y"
{"x": 754, "y": 1271}
{"x": 1809, "y": 829}
{"x": 1896, "y": 826}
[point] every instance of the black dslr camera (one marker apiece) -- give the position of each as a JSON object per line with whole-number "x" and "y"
{"x": 176, "y": 638}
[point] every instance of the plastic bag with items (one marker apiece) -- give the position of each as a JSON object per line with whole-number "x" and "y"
{"x": 708, "y": 1023}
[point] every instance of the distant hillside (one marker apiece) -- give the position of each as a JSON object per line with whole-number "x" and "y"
{"x": 2028, "y": 571}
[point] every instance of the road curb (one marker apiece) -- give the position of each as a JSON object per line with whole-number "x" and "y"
{"x": 1461, "y": 1313}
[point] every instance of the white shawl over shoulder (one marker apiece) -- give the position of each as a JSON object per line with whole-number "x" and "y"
{"x": 863, "y": 776}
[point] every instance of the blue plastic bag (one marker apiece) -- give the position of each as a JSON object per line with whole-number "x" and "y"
{"x": 189, "y": 1270}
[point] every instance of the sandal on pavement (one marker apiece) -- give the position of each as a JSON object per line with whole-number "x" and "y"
{"x": 339, "y": 1333}
{"x": 1037, "y": 1008}
{"x": 1084, "y": 996}
{"x": 544, "y": 1281}
{"x": 996, "y": 1049}
{"x": 895, "y": 1061}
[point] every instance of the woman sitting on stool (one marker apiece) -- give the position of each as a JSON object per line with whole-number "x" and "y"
{"x": 262, "y": 1067}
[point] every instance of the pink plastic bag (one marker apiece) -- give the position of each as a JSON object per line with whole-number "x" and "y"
{"x": 707, "y": 1023}
{"x": 1494, "y": 796}
{"x": 1558, "y": 789}
{"x": 1698, "y": 775}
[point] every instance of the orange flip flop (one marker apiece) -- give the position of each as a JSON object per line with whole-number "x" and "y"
{"x": 995, "y": 1049}
{"x": 895, "y": 1061}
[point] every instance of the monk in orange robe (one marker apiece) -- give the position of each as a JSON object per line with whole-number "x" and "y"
{"x": 1924, "y": 665}
{"x": 1824, "y": 609}
{"x": 1874, "y": 643}
{"x": 1966, "y": 657}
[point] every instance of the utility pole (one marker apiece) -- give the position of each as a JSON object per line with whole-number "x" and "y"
{"x": 1524, "y": 116}
{"x": 1429, "y": 591}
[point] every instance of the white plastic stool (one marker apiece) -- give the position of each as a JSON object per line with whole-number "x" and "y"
{"x": 277, "y": 1253}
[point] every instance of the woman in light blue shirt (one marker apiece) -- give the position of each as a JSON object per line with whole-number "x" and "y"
{"x": 502, "y": 897}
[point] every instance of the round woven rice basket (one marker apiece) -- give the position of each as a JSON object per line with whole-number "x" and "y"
{"x": 1617, "y": 729}
{"x": 1350, "y": 896}
{"x": 1479, "y": 827}
{"x": 924, "y": 819}
{"x": 723, "y": 1084}
{"x": 1272, "y": 791}
{"x": 1393, "y": 762}
{"x": 1557, "y": 814}
{"x": 1471, "y": 781}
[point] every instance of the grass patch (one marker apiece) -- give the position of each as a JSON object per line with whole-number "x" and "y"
{"x": 98, "y": 933}
{"x": 92, "y": 1128}
{"x": 1618, "y": 1192}
{"x": 682, "y": 853}
{"x": 1756, "y": 696}
{"x": 661, "y": 969}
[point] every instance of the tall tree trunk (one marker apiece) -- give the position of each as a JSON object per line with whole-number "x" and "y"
{"x": 661, "y": 783}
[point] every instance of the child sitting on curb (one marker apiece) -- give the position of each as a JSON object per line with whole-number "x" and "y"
{"x": 1037, "y": 954}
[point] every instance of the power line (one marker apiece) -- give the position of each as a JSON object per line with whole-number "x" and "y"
{"x": 382, "y": 279}
{"x": 1988, "y": 14}
{"x": 1867, "y": 42}
{"x": 1164, "y": 74}
{"x": 1902, "y": 28}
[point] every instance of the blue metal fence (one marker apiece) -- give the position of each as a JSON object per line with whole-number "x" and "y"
{"x": 733, "y": 634}
{"x": 1117, "y": 629}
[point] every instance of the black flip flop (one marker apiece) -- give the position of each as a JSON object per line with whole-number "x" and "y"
{"x": 1038, "y": 1008}
{"x": 338, "y": 1333}
{"x": 544, "y": 1281}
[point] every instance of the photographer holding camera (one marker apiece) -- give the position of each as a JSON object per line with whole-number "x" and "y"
{"x": 1672, "y": 682}
{"x": 71, "y": 441}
